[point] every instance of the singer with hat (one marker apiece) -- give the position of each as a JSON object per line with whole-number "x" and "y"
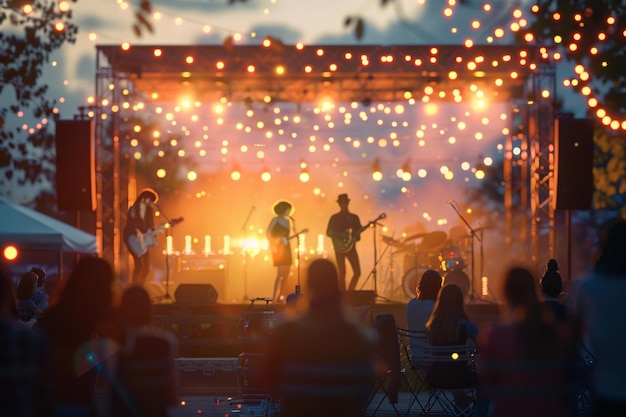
{"x": 277, "y": 234}
{"x": 343, "y": 228}
{"x": 139, "y": 223}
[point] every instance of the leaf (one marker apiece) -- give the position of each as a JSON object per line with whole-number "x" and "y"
{"x": 146, "y": 6}
{"x": 360, "y": 29}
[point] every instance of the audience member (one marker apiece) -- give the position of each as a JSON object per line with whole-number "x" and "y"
{"x": 460, "y": 278}
{"x": 74, "y": 325}
{"x": 449, "y": 325}
{"x": 551, "y": 289}
{"x": 600, "y": 301}
{"x": 419, "y": 309}
{"x": 40, "y": 297}
{"x": 145, "y": 370}
{"x": 24, "y": 361}
{"x": 28, "y": 311}
{"x": 324, "y": 359}
{"x": 526, "y": 364}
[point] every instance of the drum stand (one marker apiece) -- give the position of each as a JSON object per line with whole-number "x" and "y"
{"x": 472, "y": 294}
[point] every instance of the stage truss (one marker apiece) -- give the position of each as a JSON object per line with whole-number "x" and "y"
{"x": 302, "y": 74}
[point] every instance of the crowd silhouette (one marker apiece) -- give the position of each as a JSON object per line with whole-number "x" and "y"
{"x": 91, "y": 351}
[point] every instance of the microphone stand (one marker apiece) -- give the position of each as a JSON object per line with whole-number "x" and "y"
{"x": 244, "y": 228}
{"x": 293, "y": 221}
{"x": 373, "y": 272}
{"x": 474, "y": 236}
{"x": 167, "y": 257}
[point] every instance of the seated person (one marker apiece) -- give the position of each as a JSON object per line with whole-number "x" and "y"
{"x": 419, "y": 309}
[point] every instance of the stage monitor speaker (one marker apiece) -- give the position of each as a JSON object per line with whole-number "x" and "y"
{"x": 573, "y": 149}
{"x": 75, "y": 165}
{"x": 197, "y": 294}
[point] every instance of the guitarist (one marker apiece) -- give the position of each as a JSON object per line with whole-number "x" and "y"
{"x": 339, "y": 227}
{"x": 139, "y": 220}
{"x": 277, "y": 234}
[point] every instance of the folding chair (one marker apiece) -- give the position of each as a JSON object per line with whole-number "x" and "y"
{"x": 451, "y": 379}
{"x": 587, "y": 361}
{"x": 391, "y": 353}
{"x": 412, "y": 355}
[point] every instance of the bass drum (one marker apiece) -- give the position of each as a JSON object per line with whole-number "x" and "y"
{"x": 410, "y": 279}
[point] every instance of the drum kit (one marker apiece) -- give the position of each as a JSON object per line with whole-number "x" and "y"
{"x": 423, "y": 251}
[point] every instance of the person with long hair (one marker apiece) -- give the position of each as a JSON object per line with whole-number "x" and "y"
{"x": 449, "y": 325}
{"x": 419, "y": 309}
{"x": 77, "y": 325}
{"x": 526, "y": 362}
{"x": 139, "y": 223}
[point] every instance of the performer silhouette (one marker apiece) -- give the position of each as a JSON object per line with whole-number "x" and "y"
{"x": 277, "y": 233}
{"x": 139, "y": 222}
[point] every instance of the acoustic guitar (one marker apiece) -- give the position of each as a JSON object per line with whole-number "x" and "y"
{"x": 139, "y": 243}
{"x": 345, "y": 241}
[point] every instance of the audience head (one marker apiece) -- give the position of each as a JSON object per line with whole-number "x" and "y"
{"x": 41, "y": 276}
{"x": 551, "y": 283}
{"x": 88, "y": 290}
{"x": 519, "y": 288}
{"x": 451, "y": 299}
{"x": 136, "y": 306}
{"x": 612, "y": 260}
{"x": 429, "y": 285}
{"x": 460, "y": 278}
{"x": 26, "y": 286}
{"x": 323, "y": 284}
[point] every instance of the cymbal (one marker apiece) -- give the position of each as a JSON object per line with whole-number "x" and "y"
{"x": 391, "y": 241}
{"x": 404, "y": 249}
{"x": 415, "y": 236}
{"x": 433, "y": 240}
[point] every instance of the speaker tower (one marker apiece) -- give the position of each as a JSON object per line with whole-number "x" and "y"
{"x": 573, "y": 149}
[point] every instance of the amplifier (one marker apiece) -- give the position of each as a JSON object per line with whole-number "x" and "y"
{"x": 192, "y": 263}
{"x": 212, "y": 269}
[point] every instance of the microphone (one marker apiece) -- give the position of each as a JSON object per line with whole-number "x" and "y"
{"x": 450, "y": 201}
{"x": 153, "y": 204}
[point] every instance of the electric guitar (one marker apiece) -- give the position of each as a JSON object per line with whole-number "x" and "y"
{"x": 345, "y": 240}
{"x": 280, "y": 243}
{"x": 139, "y": 243}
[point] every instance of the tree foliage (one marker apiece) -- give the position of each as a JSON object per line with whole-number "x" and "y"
{"x": 31, "y": 33}
{"x": 596, "y": 28}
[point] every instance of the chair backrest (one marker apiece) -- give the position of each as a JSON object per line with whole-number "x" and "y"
{"x": 413, "y": 344}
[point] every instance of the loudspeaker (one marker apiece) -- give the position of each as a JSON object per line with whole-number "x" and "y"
{"x": 204, "y": 294}
{"x": 75, "y": 163}
{"x": 573, "y": 150}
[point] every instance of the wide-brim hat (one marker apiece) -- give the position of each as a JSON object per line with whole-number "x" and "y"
{"x": 343, "y": 198}
{"x": 148, "y": 193}
{"x": 281, "y": 206}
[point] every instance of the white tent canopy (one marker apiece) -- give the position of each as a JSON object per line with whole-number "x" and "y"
{"x": 30, "y": 230}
